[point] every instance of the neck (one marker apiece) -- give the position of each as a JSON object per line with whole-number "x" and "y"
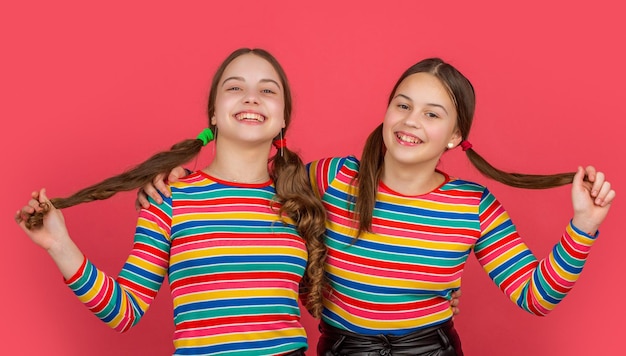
{"x": 240, "y": 164}
{"x": 411, "y": 179}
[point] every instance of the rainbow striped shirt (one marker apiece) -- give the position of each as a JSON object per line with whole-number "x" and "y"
{"x": 233, "y": 268}
{"x": 399, "y": 278}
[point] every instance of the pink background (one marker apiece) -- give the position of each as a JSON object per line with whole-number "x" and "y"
{"x": 90, "y": 90}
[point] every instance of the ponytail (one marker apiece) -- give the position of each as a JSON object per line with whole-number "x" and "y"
{"x": 518, "y": 180}
{"x": 132, "y": 179}
{"x": 368, "y": 176}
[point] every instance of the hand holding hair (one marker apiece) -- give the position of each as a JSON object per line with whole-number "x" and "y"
{"x": 50, "y": 233}
{"x": 591, "y": 199}
{"x": 39, "y": 204}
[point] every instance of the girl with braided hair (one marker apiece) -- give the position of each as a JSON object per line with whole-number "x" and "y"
{"x": 238, "y": 240}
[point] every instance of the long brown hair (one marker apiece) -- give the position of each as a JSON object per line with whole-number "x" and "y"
{"x": 286, "y": 168}
{"x": 462, "y": 94}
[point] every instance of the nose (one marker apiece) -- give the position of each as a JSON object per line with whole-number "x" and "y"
{"x": 413, "y": 120}
{"x": 251, "y": 98}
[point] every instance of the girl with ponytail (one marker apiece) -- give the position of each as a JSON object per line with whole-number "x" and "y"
{"x": 405, "y": 229}
{"x": 238, "y": 240}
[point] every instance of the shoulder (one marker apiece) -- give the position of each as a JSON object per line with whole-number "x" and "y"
{"x": 327, "y": 160}
{"x": 194, "y": 181}
{"x": 462, "y": 183}
{"x": 190, "y": 179}
{"x": 351, "y": 161}
{"x": 334, "y": 164}
{"x": 464, "y": 186}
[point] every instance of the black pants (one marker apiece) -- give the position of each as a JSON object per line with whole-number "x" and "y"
{"x": 440, "y": 340}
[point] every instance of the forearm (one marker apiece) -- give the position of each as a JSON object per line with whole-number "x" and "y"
{"x": 120, "y": 302}
{"x": 553, "y": 277}
{"x": 535, "y": 286}
{"x": 107, "y": 298}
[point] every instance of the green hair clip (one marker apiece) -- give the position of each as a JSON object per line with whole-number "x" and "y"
{"x": 206, "y": 136}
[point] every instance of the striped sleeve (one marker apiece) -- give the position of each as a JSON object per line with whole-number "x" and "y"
{"x": 535, "y": 286}
{"x": 121, "y": 302}
{"x": 323, "y": 172}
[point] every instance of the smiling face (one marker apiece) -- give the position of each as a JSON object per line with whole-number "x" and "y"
{"x": 420, "y": 121}
{"x": 249, "y": 102}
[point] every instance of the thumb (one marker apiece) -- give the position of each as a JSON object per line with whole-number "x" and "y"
{"x": 176, "y": 174}
{"x": 42, "y": 196}
{"x": 44, "y": 202}
{"x": 579, "y": 177}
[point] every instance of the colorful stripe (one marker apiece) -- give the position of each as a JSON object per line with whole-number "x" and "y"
{"x": 232, "y": 264}
{"x": 399, "y": 277}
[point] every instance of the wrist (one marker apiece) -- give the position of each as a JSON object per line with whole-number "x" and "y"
{"x": 67, "y": 257}
{"x": 584, "y": 226}
{"x": 59, "y": 247}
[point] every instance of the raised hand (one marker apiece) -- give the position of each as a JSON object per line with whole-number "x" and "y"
{"x": 591, "y": 199}
{"x": 53, "y": 229}
{"x": 52, "y": 235}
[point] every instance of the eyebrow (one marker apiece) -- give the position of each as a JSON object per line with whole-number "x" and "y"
{"x": 429, "y": 104}
{"x": 243, "y": 80}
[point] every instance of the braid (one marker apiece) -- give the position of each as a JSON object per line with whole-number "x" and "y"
{"x": 131, "y": 179}
{"x": 299, "y": 202}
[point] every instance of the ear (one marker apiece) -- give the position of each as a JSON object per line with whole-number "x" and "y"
{"x": 456, "y": 138}
{"x": 284, "y": 124}
{"x": 213, "y": 121}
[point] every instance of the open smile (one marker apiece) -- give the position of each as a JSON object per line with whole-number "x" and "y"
{"x": 250, "y": 116}
{"x": 408, "y": 139}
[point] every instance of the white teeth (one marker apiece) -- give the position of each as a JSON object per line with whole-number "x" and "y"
{"x": 408, "y": 139}
{"x": 250, "y": 116}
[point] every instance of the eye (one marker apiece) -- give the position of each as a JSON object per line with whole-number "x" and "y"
{"x": 268, "y": 91}
{"x": 432, "y": 115}
{"x": 403, "y": 107}
{"x": 233, "y": 89}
